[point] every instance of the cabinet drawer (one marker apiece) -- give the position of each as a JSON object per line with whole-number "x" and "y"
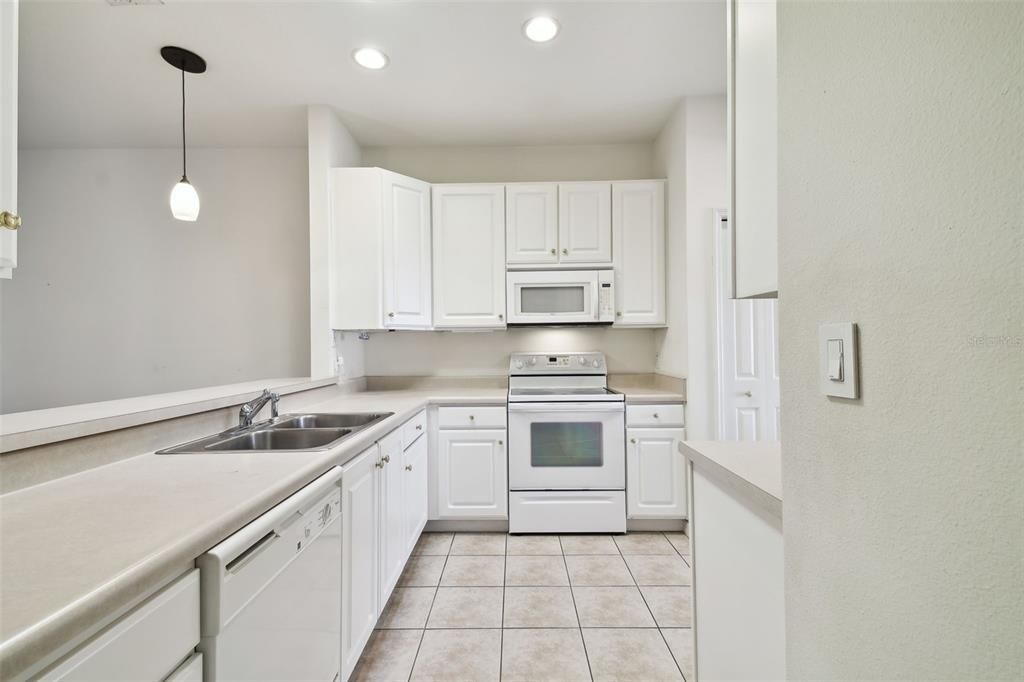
{"x": 413, "y": 429}
{"x": 189, "y": 671}
{"x": 654, "y": 415}
{"x": 146, "y": 644}
{"x": 471, "y": 417}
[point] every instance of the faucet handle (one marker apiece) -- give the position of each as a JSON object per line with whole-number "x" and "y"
{"x": 275, "y": 398}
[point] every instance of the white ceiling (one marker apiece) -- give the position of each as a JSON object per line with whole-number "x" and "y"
{"x": 461, "y": 73}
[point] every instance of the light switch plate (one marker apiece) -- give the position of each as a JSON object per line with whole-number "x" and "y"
{"x": 846, "y": 334}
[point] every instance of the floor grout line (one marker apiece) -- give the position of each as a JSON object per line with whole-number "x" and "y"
{"x": 423, "y": 633}
{"x": 501, "y": 622}
{"x": 572, "y": 595}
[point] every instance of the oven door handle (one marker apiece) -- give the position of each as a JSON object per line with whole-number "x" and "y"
{"x": 548, "y": 408}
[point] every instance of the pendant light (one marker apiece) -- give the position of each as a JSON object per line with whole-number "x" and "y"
{"x": 184, "y": 198}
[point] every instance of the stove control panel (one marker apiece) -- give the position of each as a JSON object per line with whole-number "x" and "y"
{"x": 557, "y": 363}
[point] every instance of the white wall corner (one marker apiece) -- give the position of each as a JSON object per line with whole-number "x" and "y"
{"x": 330, "y": 145}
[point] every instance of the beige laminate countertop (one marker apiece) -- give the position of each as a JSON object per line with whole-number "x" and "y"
{"x": 752, "y": 469}
{"x": 77, "y": 550}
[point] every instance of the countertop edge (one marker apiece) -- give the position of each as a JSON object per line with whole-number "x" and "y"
{"x": 754, "y": 491}
{"x": 23, "y": 654}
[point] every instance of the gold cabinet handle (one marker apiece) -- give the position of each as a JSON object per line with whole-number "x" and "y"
{"x": 12, "y": 221}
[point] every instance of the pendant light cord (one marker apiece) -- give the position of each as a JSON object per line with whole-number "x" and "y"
{"x": 184, "y": 174}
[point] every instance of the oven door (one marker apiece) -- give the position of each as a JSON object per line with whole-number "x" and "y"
{"x": 567, "y": 446}
{"x": 553, "y": 297}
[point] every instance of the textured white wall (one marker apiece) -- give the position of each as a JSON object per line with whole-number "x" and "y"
{"x": 901, "y": 209}
{"x": 114, "y": 298}
{"x": 329, "y": 145}
{"x": 486, "y": 353}
{"x": 517, "y": 163}
{"x": 453, "y": 354}
{"x": 691, "y": 153}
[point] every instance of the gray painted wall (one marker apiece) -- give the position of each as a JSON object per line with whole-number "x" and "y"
{"x": 114, "y": 298}
{"x": 900, "y": 187}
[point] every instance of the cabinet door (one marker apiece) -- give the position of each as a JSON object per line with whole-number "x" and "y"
{"x": 531, "y": 224}
{"x": 414, "y": 469}
{"x": 391, "y": 507}
{"x": 638, "y": 225}
{"x": 469, "y": 256}
{"x": 358, "y": 556}
{"x": 585, "y": 222}
{"x": 406, "y": 256}
{"x": 8, "y": 133}
{"x": 753, "y": 146}
{"x": 471, "y": 476}
{"x": 655, "y": 474}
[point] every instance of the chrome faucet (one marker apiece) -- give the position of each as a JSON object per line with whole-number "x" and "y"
{"x": 251, "y": 409}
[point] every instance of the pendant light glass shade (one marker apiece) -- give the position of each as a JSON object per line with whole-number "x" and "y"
{"x": 184, "y": 201}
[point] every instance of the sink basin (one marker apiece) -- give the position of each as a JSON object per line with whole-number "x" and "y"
{"x": 289, "y": 432}
{"x": 329, "y": 421}
{"x": 280, "y": 439}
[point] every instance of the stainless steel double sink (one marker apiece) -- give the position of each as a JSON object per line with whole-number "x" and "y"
{"x": 287, "y": 433}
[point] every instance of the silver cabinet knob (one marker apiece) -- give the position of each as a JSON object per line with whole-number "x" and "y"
{"x": 618, "y": 313}
{"x": 379, "y": 464}
{"x": 472, "y": 418}
{"x": 656, "y": 416}
{"x": 747, "y": 394}
{"x": 386, "y": 459}
{"x": 419, "y": 427}
{"x": 408, "y": 467}
{"x": 501, "y": 442}
{"x": 565, "y": 252}
{"x": 553, "y": 252}
{"x": 633, "y": 441}
{"x": 391, "y": 314}
{"x": 500, "y": 316}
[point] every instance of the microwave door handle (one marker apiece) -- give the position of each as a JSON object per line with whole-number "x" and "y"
{"x": 595, "y": 299}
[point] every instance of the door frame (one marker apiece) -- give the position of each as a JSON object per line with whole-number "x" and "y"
{"x": 723, "y": 240}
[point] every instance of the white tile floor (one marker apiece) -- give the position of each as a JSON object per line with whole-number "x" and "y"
{"x": 489, "y": 606}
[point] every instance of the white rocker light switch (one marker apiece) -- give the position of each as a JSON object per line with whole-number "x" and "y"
{"x": 837, "y": 347}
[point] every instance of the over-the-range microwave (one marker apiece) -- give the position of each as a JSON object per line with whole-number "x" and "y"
{"x": 561, "y": 297}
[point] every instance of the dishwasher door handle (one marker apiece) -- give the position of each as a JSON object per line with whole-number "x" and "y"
{"x": 240, "y": 561}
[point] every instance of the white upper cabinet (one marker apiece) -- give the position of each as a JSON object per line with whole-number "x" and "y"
{"x": 638, "y": 223}
{"x": 469, "y": 256}
{"x": 406, "y": 254}
{"x": 753, "y": 147}
{"x": 585, "y": 223}
{"x": 9, "y": 219}
{"x": 380, "y": 250}
{"x": 531, "y": 213}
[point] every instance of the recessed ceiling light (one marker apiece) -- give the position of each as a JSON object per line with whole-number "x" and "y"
{"x": 541, "y": 29}
{"x": 370, "y": 58}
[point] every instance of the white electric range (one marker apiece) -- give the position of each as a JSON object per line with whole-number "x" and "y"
{"x": 566, "y": 445}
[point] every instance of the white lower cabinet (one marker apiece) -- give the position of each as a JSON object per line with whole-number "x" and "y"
{"x": 472, "y": 474}
{"x": 655, "y": 473}
{"x": 391, "y": 511}
{"x": 383, "y": 512}
{"x": 414, "y": 469}
{"x": 359, "y": 608}
{"x": 148, "y": 643}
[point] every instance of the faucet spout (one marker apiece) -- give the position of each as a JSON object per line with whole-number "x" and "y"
{"x": 248, "y": 411}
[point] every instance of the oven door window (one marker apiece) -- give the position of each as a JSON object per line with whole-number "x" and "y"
{"x": 566, "y": 444}
{"x": 547, "y": 299}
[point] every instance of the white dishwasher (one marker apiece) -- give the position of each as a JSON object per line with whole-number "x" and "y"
{"x": 271, "y": 593}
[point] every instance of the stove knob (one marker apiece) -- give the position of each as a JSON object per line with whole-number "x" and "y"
{"x": 519, "y": 364}
{"x": 583, "y": 360}
{"x": 533, "y": 361}
{"x": 597, "y": 363}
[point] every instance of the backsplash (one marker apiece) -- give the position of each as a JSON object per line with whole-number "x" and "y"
{"x": 629, "y": 351}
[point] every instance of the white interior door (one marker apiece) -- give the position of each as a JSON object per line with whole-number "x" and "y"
{"x": 748, "y": 357}
{"x": 8, "y": 132}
